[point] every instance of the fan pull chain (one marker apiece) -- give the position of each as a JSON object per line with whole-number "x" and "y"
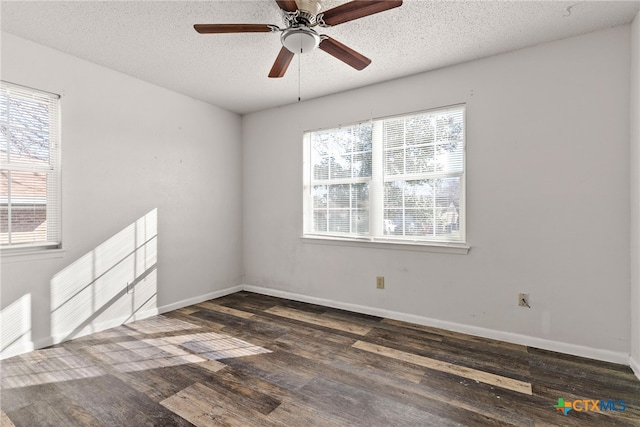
{"x": 299, "y": 74}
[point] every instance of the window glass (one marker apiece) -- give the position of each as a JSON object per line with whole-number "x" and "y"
{"x": 29, "y": 168}
{"x": 393, "y": 178}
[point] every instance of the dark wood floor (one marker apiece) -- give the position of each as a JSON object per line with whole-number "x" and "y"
{"x": 254, "y": 360}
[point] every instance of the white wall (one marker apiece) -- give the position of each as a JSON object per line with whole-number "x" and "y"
{"x": 548, "y": 201}
{"x": 150, "y": 192}
{"x": 635, "y": 195}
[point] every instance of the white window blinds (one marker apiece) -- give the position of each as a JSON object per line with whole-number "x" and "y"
{"x": 397, "y": 178}
{"x": 29, "y": 168}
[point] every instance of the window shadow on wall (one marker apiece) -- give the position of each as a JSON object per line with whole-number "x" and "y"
{"x": 15, "y": 326}
{"x": 114, "y": 283}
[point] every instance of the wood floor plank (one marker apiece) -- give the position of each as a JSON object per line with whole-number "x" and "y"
{"x": 13, "y": 399}
{"x": 204, "y": 406}
{"x": 433, "y": 397}
{"x": 38, "y": 413}
{"x": 246, "y": 301}
{"x": 495, "y": 402}
{"x": 5, "y": 421}
{"x": 234, "y": 323}
{"x": 302, "y": 306}
{"x": 474, "y": 374}
{"x": 187, "y": 310}
{"x": 76, "y": 414}
{"x": 504, "y": 362}
{"x": 318, "y": 320}
{"x": 193, "y": 410}
{"x": 352, "y": 316}
{"x": 359, "y": 407}
{"x": 265, "y": 382}
{"x": 367, "y": 362}
{"x": 114, "y": 402}
{"x": 212, "y": 365}
{"x": 311, "y": 346}
{"x": 159, "y": 384}
{"x": 300, "y": 414}
{"x": 556, "y": 369}
{"x": 208, "y": 324}
{"x": 310, "y": 334}
{"x": 227, "y": 310}
{"x": 457, "y": 335}
{"x": 288, "y": 376}
{"x": 243, "y": 394}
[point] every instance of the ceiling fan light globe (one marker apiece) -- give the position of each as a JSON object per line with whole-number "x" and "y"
{"x": 300, "y": 40}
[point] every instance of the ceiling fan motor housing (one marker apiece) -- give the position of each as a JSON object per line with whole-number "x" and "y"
{"x": 312, "y": 7}
{"x": 300, "y": 39}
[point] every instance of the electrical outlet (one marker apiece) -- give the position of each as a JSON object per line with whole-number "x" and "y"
{"x": 380, "y": 282}
{"x": 523, "y": 300}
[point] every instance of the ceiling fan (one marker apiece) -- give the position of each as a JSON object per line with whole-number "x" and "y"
{"x": 299, "y": 36}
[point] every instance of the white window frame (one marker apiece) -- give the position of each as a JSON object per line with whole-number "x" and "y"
{"x": 51, "y": 170}
{"x": 376, "y": 236}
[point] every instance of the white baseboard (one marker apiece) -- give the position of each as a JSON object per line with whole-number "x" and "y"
{"x": 635, "y": 366}
{"x": 576, "y": 350}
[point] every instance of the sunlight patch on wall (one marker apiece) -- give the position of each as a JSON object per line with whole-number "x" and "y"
{"x": 15, "y": 327}
{"x": 116, "y": 280}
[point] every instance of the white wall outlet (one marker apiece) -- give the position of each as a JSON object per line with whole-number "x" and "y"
{"x": 380, "y": 282}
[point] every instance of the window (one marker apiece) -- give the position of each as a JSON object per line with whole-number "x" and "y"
{"x": 29, "y": 168}
{"x": 397, "y": 179}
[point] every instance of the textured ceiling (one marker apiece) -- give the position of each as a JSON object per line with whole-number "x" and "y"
{"x": 155, "y": 41}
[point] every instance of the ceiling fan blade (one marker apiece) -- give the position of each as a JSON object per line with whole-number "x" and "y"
{"x": 232, "y": 28}
{"x": 287, "y": 5}
{"x": 282, "y": 63}
{"x": 357, "y": 9}
{"x": 344, "y": 53}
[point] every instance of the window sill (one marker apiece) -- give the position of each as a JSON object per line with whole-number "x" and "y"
{"x": 12, "y": 255}
{"x": 403, "y": 245}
